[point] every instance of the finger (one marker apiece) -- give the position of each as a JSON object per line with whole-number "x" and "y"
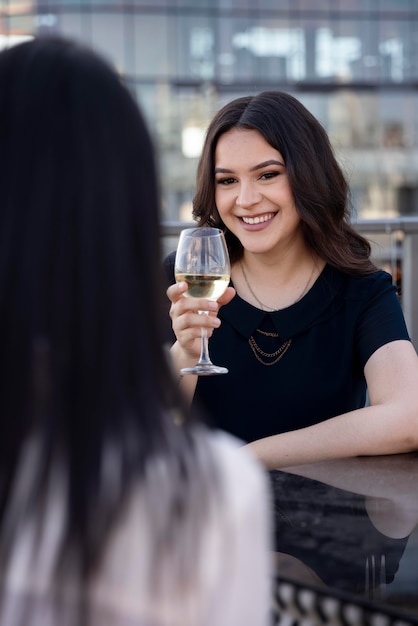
{"x": 192, "y": 319}
{"x": 176, "y": 291}
{"x": 182, "y": 305}
{"x": 226, "y": 296}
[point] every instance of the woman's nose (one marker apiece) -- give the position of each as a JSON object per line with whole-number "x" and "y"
{"x": 248, "y": 195}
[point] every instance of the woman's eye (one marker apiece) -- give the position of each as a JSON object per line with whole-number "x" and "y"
{"x": 268, "y": 175}
{"x": 225, "y": 181}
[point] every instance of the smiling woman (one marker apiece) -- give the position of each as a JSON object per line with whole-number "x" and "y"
{"x": 308, "y": 324}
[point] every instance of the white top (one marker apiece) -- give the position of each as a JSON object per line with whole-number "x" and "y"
{"x": 229, "y": 549}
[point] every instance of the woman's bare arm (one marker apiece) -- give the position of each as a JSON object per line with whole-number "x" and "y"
{"x": 388, "y": 426}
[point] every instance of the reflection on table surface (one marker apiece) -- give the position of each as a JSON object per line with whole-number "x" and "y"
{"x": 349, "y": 529}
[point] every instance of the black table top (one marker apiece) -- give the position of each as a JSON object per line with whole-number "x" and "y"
{"x": 349, "y": 528}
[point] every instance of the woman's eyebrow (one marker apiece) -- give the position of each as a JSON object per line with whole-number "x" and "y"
{"x": 222, "y": 170}
{"x": 266, "y": 164}
{"x": 259, "y": 166}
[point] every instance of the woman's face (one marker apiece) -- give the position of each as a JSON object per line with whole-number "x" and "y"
{"x": 253, "y": 194}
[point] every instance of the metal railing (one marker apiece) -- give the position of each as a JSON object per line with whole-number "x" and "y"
{"x": 394, "y": 248}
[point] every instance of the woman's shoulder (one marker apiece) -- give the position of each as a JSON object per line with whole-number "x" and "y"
{"x": 363, "y": 286}
{"x": 241, "y": 481}
{"x": 170, "y": 258}
{"x": 372, "y": 278}
{"x": 235, "y": 464}
{"x": 168, "y": 265}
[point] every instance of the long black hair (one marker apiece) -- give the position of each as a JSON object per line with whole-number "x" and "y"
{"x": 319, "y": 187}
{"x": 82, "y": 361}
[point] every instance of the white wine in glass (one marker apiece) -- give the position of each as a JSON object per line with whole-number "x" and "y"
{"x": 202, "y": 261}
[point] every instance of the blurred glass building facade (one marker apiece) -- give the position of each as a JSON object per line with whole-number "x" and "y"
{"x": 353, "y": 63}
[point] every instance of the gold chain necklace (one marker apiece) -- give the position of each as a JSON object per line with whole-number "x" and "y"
{"x": 284, "y": 347}
{"x": 276, "y": 355}
{"x": 264, "y": 307}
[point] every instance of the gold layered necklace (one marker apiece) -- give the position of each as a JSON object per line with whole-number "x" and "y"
{"x": 260, "y": 354}
{"x": 273, "y": 357}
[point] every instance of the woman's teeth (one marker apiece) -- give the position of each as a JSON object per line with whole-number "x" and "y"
{"x": 258, "y": 220}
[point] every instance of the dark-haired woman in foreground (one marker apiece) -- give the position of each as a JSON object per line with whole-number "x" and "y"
{"x": 117, "y": 507}
{"x": 308, "y": 323}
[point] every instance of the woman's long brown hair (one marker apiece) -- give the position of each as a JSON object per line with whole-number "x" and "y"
{"x": 319, "y": 187}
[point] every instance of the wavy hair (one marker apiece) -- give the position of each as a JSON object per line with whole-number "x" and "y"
{"x": 319, "y": 187}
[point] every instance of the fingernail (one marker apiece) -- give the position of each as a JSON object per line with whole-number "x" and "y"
{"x": 212, "y": 306}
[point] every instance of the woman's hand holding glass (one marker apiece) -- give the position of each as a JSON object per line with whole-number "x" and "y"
{"x": 202, "y": 272}
{"x": 186, "y": 321}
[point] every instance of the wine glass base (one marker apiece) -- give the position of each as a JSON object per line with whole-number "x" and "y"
{"x": 204, "y": 370}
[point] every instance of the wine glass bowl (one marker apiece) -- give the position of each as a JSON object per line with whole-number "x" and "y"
{"x": 202, "y": 261}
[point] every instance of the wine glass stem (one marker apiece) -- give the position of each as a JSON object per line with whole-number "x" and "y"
{"x": 204, "y": 350}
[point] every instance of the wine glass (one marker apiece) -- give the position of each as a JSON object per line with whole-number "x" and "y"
{"x": 202, "y": 261}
